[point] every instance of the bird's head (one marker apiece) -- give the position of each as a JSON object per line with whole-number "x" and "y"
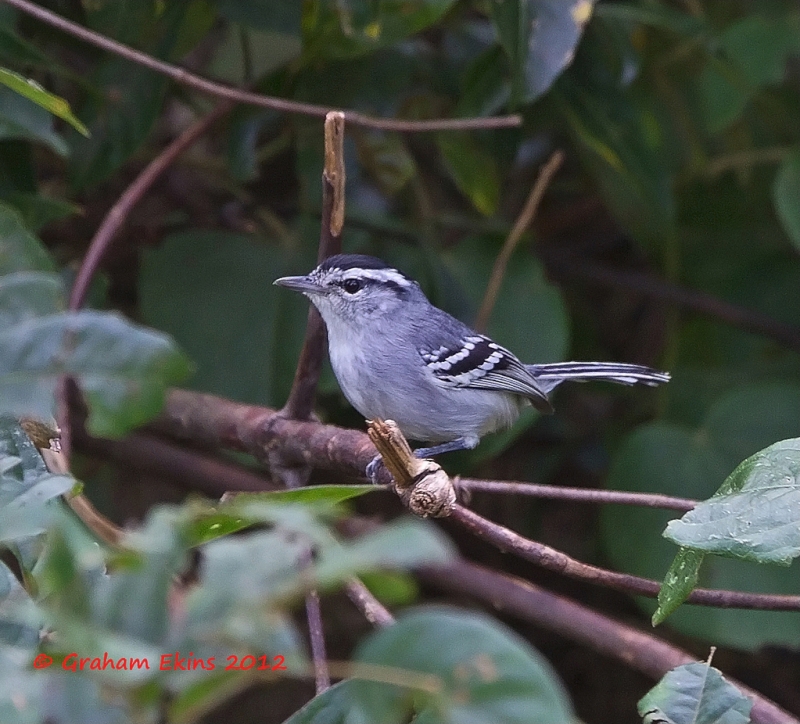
{"x": 354, "y": 289}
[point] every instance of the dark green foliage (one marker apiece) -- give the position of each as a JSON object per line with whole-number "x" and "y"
{"x": 679, "y": 127}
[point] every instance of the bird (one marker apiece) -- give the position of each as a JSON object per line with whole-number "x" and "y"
{"x": 398, "y": 357}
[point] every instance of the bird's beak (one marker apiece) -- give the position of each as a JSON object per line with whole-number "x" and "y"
{"x": 299, "y": 284}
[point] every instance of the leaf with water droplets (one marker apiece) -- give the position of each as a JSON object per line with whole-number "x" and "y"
{"x": 694, "y": 693}
{"x": 755, "y": 515}
{"x": 679, "y": 582}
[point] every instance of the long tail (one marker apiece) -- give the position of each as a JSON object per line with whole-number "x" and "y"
{"x": 550, "y": 376}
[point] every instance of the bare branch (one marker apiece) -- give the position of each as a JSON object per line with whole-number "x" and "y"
{"x": 371, "y": 607}
{"x": 213, "y": 420}
{"x": 581, "y": 495}
{"x": 637, "y": 649}
{"x": 554, "y": 560}
{"x": 316, "y": 635}
{"x": 524, "y": 220}
{"x": 189, "y": 468}
{"x": 300, "y": 402}
{"x": 184, "y": 77}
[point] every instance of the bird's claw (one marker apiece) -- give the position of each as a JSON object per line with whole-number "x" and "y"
{"x": 374, "y": 469}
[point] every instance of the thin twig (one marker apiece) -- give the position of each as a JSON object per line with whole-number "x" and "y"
{"x": 641, "y": 651}
{"x": 208, "y": 419}
{"x": 524, "y": 220}
{"x": 582, "y": 495}
{"x": 102, "y": 528}
{"x": 120, "y": 211}
{"x": 184, "y": 77}
{"x": 371, "y": 607}
{"x": 300, "y": 402}
{"x": 570, "y": 265}
{"x": 316, "y": 635}
{"x": 554, "y": 560}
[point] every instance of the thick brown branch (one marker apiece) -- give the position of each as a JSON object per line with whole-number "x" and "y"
{"x": 213, "y": 420}
{"x": 184, "y": 77}
{"x": 189, "y": 468}
{"x": 637, "y": 649}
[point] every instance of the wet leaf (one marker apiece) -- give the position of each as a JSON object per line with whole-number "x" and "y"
{"x": 695, "y": 694}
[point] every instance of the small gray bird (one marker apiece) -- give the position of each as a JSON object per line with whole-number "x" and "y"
{"x": 398, "y": 357}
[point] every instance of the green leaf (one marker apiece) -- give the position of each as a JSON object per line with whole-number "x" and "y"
{"x": 755, "y": 515}
{"x": 26, "y": 295}
{"x": 281, "y": 17}
{"x": 392, "y": 588}
{"x": 724, "y": 94}
{"x": 20, "y": 620}
{"x": 385, "y": 158}
{"x": 82, "y": 699}
{"x": 693, "y": 462}
{"x": 38, "y": 210}
{"x": 223, "y": 309}
{"x": 539, "y": 37}
{"x": 484, "y": 672}
{"x": 335, "y": 705}
{"x": 755, "y": 51}
{"x": 361, "y": 26}
{"x": 786, "y": 196}
{"x": 120, "y": 119}
{"x": 485, "y": 88}
{"x": 680, "y": 580}
{"x": 626, "y": 147}
{"x": 760, "y": 46}
{"x": 34, "y": 92}
{"x": 557, "y": 28}
{"x": 514, "y": 24}
{"x": 333, "y": 494}
{"x": 656, "y": 16}
{"x": 695, "y": 694}
{"x": 19, "y": 249}
{"x": 473, "y": 170}
{"x": 123, "y": 370}
{"x": 401, "y": 544}
{"x": 21, "y": 688}
{"x": 26, "y": 486}
{"x": 134, "y": 601}
{"x": 246, "y": 53}
{"x": 245, "y": 581}
{"x": 244, "y": 127}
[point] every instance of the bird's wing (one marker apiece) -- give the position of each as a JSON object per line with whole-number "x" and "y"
{"x": 477, "y": 362}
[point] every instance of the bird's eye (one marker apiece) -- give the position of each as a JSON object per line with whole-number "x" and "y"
{"x": 351, "y": 286}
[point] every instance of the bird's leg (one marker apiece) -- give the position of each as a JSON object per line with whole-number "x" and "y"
{"x": 374, "y": 467}
{"x": 452, "y": 446}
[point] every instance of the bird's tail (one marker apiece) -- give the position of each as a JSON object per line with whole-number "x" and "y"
{"x": 550, "y": 376}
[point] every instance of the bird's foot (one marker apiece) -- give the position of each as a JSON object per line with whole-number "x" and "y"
{"x": 374, "y": 469}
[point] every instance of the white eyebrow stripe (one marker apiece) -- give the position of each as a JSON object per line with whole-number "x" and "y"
{"x": 378, "y": 275}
